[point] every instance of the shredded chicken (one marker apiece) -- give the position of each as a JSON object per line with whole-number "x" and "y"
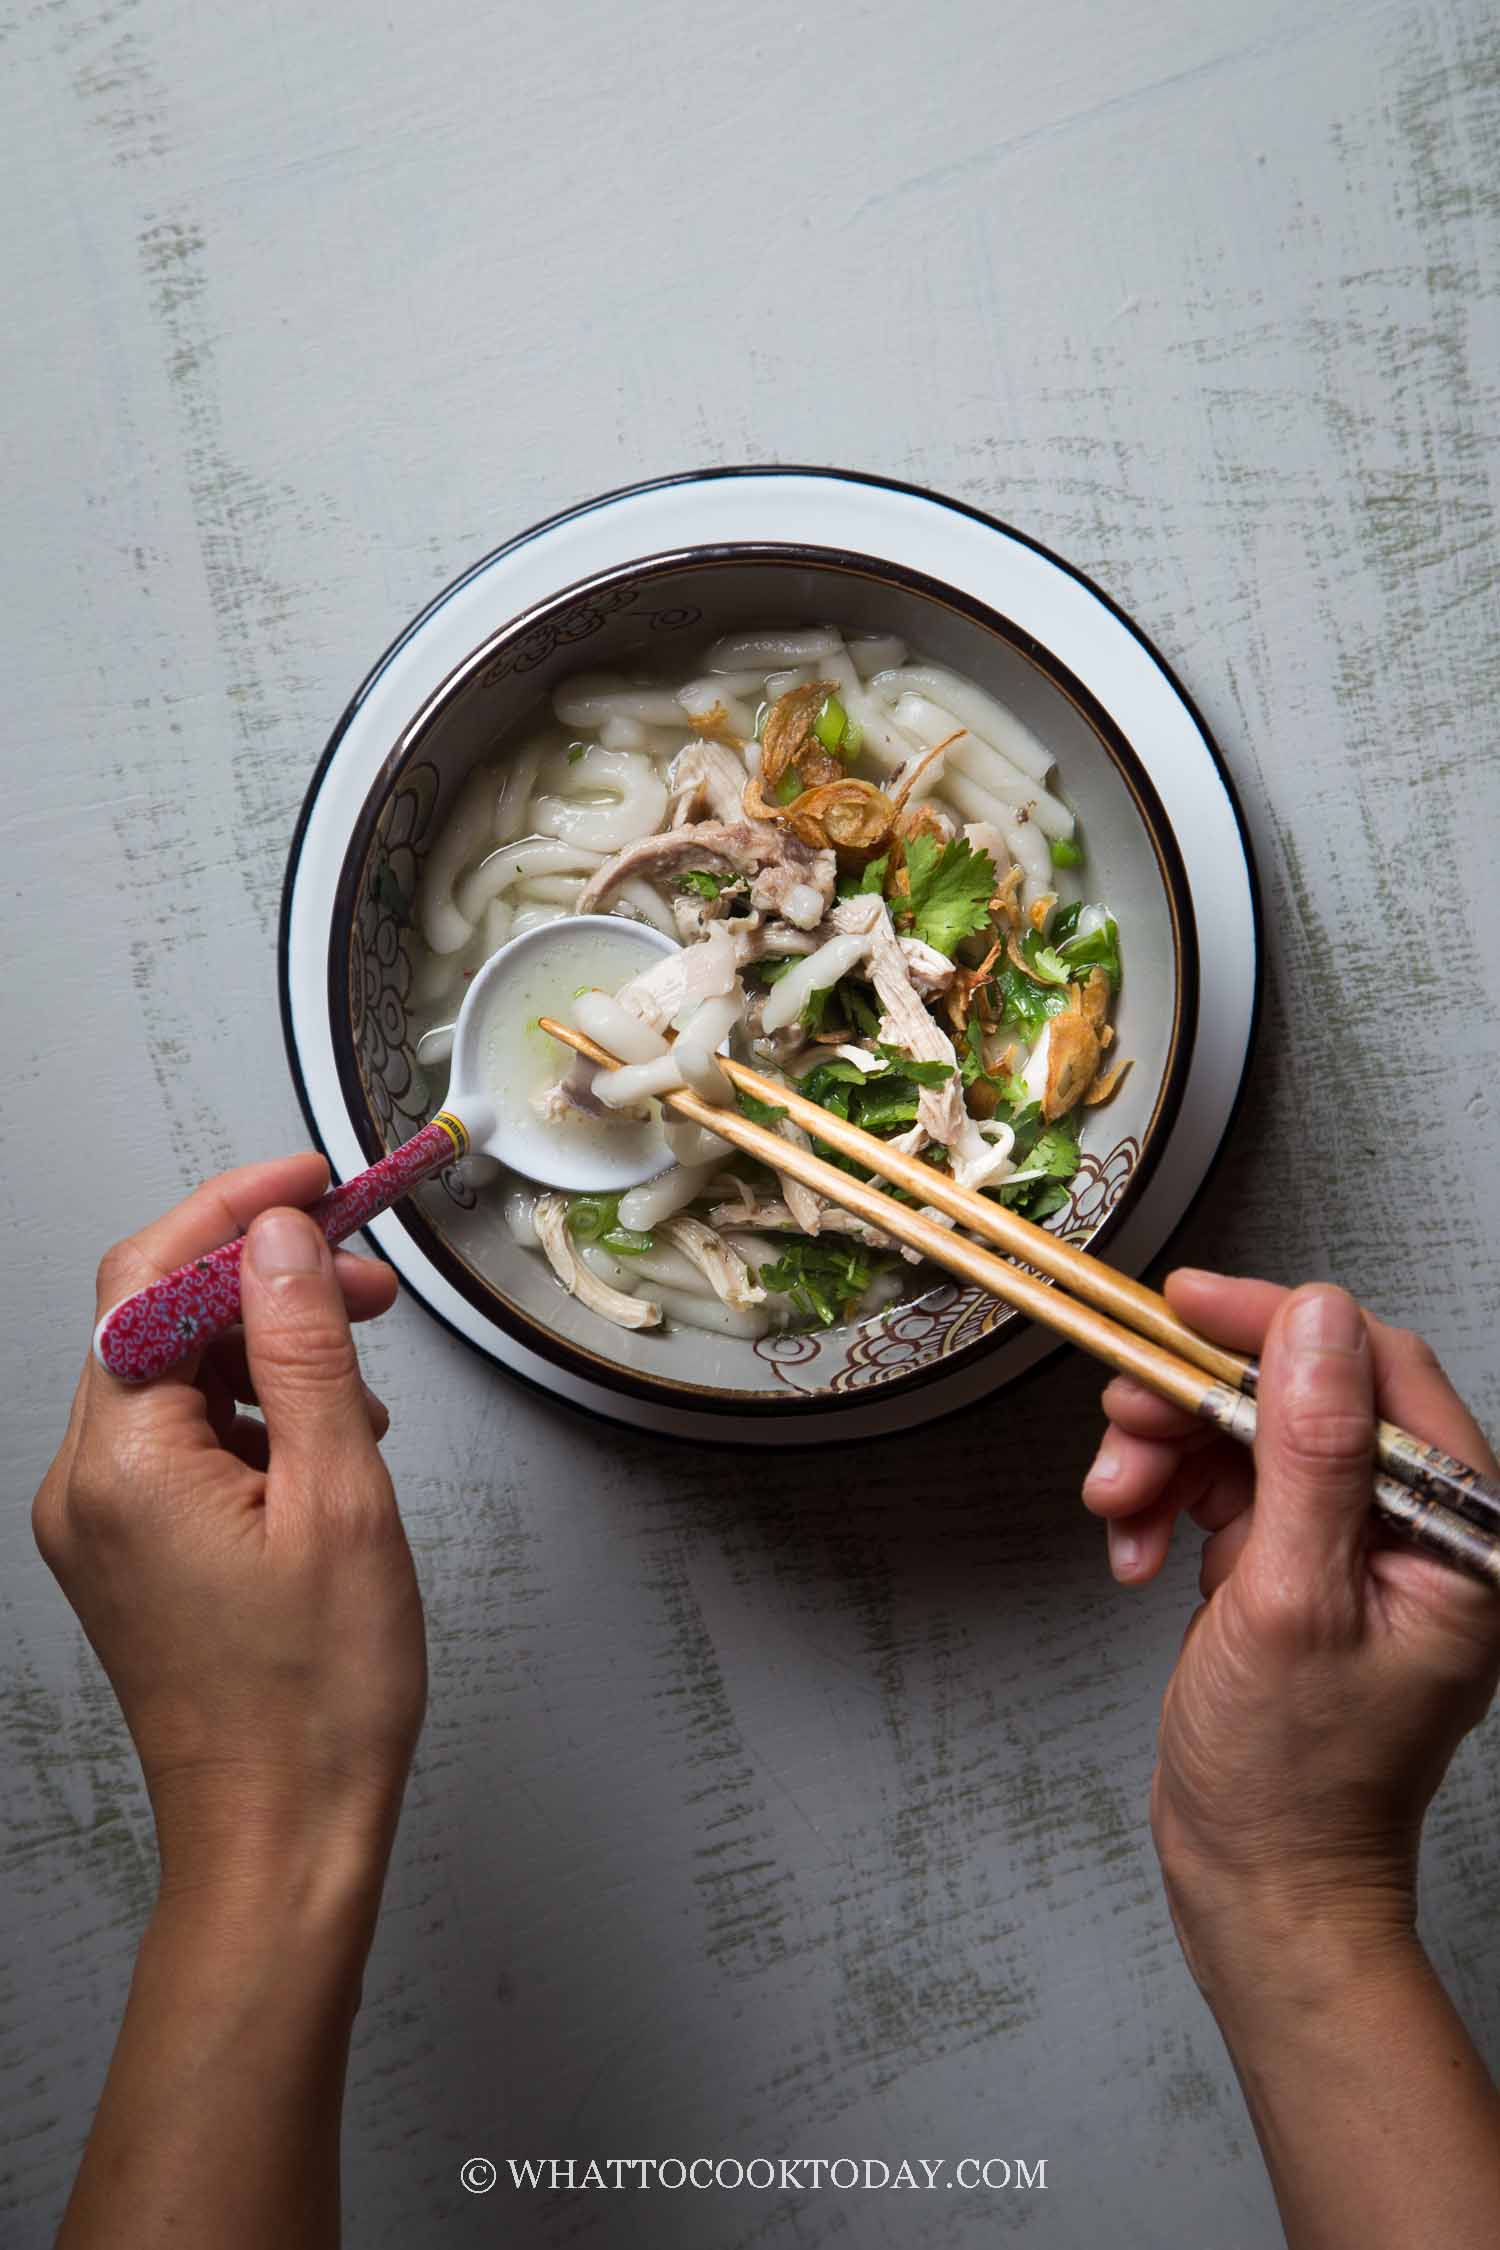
{"x": 679, "y": 980}
{"x": 550, "y": 1218}
{"x": 805, "y": 1205}
{"x": 798, "y": 890}
{"x": 729, "y": 847}
{"x": 696, "y": 916}
{"x": 778, "y": 1218}
{"x": 722, "y": 1267}
{"x": 930, "y": 971}
{"x": 756, "y": 940}
{"x": 705, "y": 778}
{"x": 906, "y": 1023}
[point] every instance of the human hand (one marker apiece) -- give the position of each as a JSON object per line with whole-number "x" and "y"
{"x": 1327, "y": 1680}
{"x": 247, "y": 1586}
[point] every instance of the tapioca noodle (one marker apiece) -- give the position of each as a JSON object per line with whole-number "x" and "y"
{"x": 879, "y": 893}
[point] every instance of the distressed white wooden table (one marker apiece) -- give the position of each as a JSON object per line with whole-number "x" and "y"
{"x": 792, "y": 1810}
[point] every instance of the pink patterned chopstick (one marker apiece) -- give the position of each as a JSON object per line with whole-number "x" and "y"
{"x": 162, "y": 1323}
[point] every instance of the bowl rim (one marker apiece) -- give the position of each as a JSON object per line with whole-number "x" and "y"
{"x": 779, "y": 1404}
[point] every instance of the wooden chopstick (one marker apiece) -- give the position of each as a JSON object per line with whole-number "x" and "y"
{"x": 1433, "y": 1474}
{"x": 1426, "y": 1521}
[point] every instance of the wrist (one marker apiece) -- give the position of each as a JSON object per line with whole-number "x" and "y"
{"x": 1290, "y": 1937}
{"x": 287, "y": 1937}
{"x": 258, "y": 1845}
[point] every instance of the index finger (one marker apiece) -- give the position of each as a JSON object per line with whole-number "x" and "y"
{"x": 214, "y": 1213}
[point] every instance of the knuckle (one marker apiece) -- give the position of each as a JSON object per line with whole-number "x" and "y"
{"x": 1325, "y": 1436}
{"x": 118, "y": 1269}
{"x": 96, "y": 1505}
{"x": 314, "y": 1353}
{"x": 46, "y": 1526}
{"x": 1415, "y": 1351}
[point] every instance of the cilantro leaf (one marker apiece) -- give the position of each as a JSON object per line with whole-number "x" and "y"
{"x": 870, "y": 882}
{"x": 815, "y": 1007}
{"x": 699, "y": 879}
{"x": 880, "y": 1111}
{"x": 1025, "y": 1005}
{"x": 951, "y": 886}
{"x": 1056, "y": 1153}
{"x": 861, "y": 1014}
{"x": 1045, "y": 959}
{"x": 836, "y": 1073}
{"x": 1046, "y": 1157}
{"x": 1101, "y": 949}
{"x": 758, "y": 1112}
{"x": 904, "y": 1065}
{"x": 824, "y": 1278}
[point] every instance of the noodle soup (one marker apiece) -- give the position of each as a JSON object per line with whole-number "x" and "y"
{"x": 880, "y": 894}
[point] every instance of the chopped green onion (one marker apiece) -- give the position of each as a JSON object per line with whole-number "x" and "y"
{"x": 831, "y": 723}
{"x": 590, "y": 1216}
{"x": 596, "y": 1218}
{"x": 576, "y": 750}
{"x": 1065, "y": 853}
{"x": 627, "y": 1242}
{"x": 788, "y": 787}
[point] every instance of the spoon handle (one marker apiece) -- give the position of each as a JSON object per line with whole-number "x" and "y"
{"x": 149, "y": 1332}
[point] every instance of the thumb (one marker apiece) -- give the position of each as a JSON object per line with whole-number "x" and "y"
{"x": 1314, "y": 1454}
{"x": 297, "y": 1342}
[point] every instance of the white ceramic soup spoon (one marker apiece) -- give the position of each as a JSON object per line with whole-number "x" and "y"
{"x": 500, "y": 1059}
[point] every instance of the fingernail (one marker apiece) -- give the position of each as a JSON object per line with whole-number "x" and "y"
{"x": 284, "y": 1242}
{"x": 1327, "y": 1320}
{"x": 1124, "y": 1551}
{"x": 1105, "y": 1468}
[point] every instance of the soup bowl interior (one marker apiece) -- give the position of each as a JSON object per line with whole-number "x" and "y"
{"x": 654, "y": 618}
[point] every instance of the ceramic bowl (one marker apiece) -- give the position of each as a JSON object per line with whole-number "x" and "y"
{"x": 651, "y": 613}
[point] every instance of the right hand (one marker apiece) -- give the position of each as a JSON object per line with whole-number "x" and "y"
{"x": 249, "y": 1589}
{"x": 1329, "y": 1676}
